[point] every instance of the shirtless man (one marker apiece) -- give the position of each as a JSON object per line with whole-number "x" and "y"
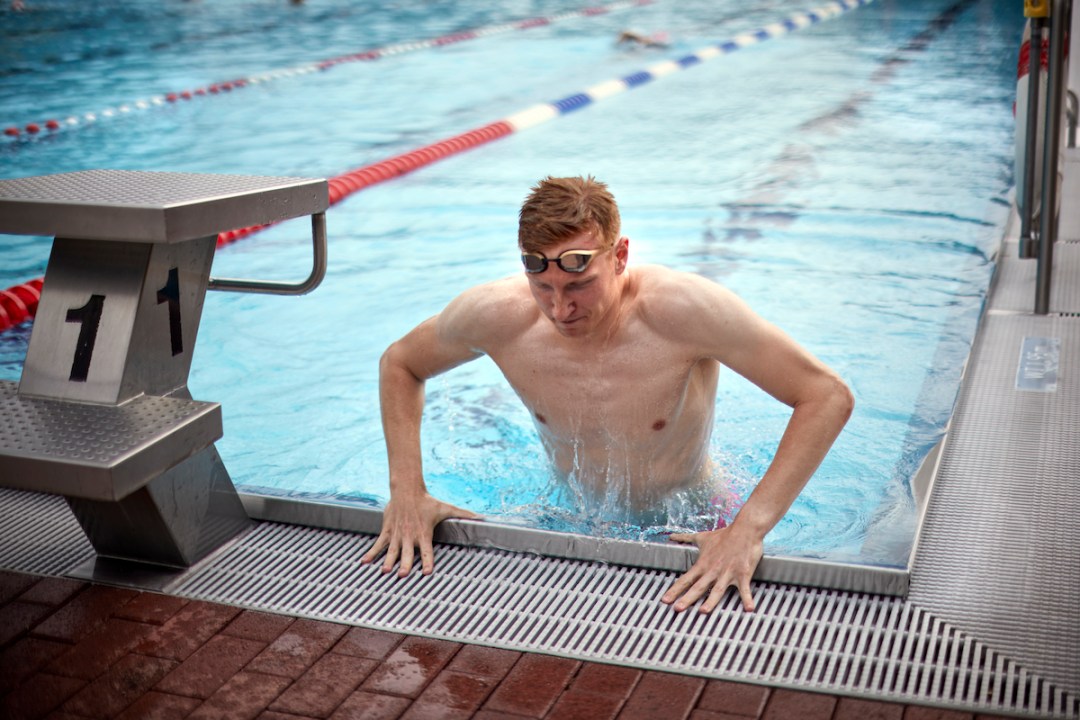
{"x": 618, "y": 366}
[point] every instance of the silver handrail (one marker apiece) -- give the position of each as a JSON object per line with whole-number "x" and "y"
{"x": 1072, "y": 109}
{"x": 318, "y": 270}
{"x": 1060, "y": 15}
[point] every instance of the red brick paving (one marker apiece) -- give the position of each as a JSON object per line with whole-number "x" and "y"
{"x": 70, "y": 650}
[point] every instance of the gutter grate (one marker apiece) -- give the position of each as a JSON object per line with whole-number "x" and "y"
{"x": 842, "y": 642}
{"x": 802, "y": 637}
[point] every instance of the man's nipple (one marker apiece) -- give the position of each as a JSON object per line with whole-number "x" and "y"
{"x": 541, "y": 418}
{"x": 659, "y": 424}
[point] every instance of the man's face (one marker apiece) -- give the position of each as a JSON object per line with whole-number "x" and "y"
{"x": 577, "y": 303}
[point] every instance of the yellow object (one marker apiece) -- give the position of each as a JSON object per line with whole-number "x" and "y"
{"x": 1037, "y": 8}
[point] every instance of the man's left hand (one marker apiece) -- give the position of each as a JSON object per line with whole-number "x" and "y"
{"x": 726, "y": 557}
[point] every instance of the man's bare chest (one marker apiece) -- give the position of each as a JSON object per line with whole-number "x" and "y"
{"x": 628, "y": 391}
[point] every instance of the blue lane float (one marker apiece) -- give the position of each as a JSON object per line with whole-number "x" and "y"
{"x": 541, "y": 113}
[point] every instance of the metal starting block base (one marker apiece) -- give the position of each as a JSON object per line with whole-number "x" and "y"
{"x": 101, "y": 414}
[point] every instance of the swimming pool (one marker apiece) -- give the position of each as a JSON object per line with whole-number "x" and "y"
{"x": 850, "y": 180}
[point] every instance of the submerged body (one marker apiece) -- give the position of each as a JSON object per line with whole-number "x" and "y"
{"x": 619, "y": 369}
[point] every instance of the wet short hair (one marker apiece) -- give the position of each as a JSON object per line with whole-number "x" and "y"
{"x": 559, "y": 208}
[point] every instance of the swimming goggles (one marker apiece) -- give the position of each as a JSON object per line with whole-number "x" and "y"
{"x": 571, "y": 261}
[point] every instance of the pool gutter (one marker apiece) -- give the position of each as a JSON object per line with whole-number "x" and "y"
{"x": 671, "y": 557}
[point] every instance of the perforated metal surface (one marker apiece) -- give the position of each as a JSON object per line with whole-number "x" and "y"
{"x": 152, "y": 206}
{"x": 98, "y": 451}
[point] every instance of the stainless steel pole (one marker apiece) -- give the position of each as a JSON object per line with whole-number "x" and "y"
{"x": 1059, "y": 20}
{"x": 1029, "y": 238}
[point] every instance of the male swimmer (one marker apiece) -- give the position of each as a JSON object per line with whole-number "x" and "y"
{"x": 618, "y": 365}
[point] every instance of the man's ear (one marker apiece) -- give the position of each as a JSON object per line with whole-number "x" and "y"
{"x": 622, "y": 254}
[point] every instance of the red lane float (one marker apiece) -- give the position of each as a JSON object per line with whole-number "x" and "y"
{"x": 344, "y": 185}
{"x": 19, "y": 303}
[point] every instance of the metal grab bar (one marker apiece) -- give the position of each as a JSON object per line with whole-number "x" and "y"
{"x": 1060, "y": 18}
{"x": 318, "y": 271}
{"x": 1029, "y": 237}
{"x": 1071, "y": 112}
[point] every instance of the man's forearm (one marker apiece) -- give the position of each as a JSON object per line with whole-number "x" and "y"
{"x": 401, "y": 396}
{"x": 810, "y": 433}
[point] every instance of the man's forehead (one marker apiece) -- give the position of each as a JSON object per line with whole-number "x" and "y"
{"x": 585, "y": 240}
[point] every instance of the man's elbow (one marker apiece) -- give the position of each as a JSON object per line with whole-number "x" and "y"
{"x": 840, "y": 398}
{"x": 394, "y": 363}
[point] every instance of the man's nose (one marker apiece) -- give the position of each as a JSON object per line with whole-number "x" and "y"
{"x": 561, "y": 306}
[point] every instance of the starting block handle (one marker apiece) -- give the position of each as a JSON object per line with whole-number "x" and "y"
{"x": 318, "y": 271}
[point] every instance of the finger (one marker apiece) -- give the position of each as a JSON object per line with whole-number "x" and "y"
{"x": 453, "y": 511}
{"x": 406, "y": 560}
{"x": 747, "y": 597}
{"x": 375, "y": 550}
{"x": 683, "y": 538}
{"x": 391, "y": 557}
{"x": 715, "y": 596}
{"x": 694, "y": 594}
{"x": 679, "y": 586}
{"x": 427, "y": 558}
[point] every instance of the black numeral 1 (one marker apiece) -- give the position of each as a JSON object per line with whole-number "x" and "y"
{"x": 171, "y": 294}
{"x": 90, "y": 317}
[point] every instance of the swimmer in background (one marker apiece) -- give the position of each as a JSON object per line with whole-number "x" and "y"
{"x": 618, "y": 367}
{"x": 656, "y": 40}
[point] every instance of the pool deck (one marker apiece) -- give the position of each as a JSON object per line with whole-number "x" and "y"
{"x": 76, "y": 650}
{"x": 998, "y": 562}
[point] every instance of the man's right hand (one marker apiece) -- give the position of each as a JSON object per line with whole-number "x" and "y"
{"x": 408, "y": 523}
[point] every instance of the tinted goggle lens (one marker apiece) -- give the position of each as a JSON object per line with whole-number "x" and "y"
{"x": 571, "y": 261}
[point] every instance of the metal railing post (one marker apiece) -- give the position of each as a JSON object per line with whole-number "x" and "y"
{"x": 1051, "y": 147}
{"x": 1072, "y": 115}
{"x": 1029, "y": 237}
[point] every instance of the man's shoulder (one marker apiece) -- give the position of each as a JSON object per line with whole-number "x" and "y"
{"x": 677, "y": 301}
{"x": 662, "y": 286}
{"x": 484, "y": 313}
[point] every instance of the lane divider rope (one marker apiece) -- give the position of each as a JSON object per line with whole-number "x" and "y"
{"x": 164, "y": 99}
{"x": 344, "y": 185}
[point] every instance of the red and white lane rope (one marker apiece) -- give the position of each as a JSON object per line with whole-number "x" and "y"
{"x": 344, "y": 185}
{"x": 164, "y": 99}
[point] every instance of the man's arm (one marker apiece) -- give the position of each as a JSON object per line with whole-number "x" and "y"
{"x": 410, "y": 517}
{"x": 821, "y": 404}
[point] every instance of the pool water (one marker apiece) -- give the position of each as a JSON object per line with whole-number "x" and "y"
{"x": 850, "y": 180}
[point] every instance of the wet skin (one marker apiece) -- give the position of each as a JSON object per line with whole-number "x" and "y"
{"x": 619, "y": 366}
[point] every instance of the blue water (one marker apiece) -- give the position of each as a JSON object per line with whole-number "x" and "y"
{"x": 850, "y": 180}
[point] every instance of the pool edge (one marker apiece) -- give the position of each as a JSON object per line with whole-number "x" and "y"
{"x": 677, "y": 558}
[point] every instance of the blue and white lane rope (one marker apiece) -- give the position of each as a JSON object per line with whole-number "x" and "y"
{"x": 164, "y": 99}
{"x": 19, "y": 303}
{"x": 546, "y": 111}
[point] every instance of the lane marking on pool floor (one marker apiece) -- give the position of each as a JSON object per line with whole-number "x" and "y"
{"x": 74, "y": 121}
{"x": 348, "y": 183}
